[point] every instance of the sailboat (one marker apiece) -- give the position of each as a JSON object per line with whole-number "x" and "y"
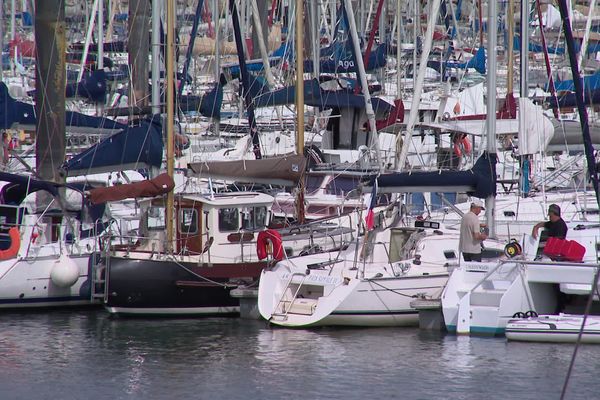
{"x": 194, "y": 248}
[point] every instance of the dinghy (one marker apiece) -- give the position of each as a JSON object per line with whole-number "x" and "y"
{"x": 562, "y": 328}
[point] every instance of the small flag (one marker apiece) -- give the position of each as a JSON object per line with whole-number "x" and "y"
{"x": 371, "y": 200}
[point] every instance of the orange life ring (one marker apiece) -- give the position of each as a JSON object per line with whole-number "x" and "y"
{"x": 269, "y": 237}
{"x": 15, "y": 244}
{"x": 460, "y": 144}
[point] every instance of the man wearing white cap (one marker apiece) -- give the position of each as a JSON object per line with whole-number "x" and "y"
{"x": 471, "y": 236}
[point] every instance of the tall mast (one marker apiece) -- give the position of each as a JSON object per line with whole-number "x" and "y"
{"x": 299, "y": 50}
{"x": 402, "y": 155}
{"x": 1, "y": 35}
{"x": 216, "y": 21}
{"x": 510, "y": 16}
{"x": 170, "y": 55}
{"x": 156, "y": 11}
{"x": 579, "y": 93}
{"x": 490, "y": 201}
{"x": 362, "y": 75}
{"x": 299, "y": 77}
{"x": 50, "y": 83}
{"x": 138, "y": 47}
{"x": 235, "y": 19}
{"x": 524, "y": 47}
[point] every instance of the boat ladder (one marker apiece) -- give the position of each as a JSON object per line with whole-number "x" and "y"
{"x": 283, "y": 301}
{"x": 97, "y": 272}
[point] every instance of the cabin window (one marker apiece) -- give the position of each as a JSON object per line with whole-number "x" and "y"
{"x": 254, "y": 218}
{"x": 313, "y": 183}
{"x": 156, "y": 218}
{"x": 341, "y": 186}
{"x": 229, "y": 219}
{"x": 188, "y": 221}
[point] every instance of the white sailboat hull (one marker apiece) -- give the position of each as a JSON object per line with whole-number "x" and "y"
{"x": 343, "y": 300}
{"x": 27, "y": 283}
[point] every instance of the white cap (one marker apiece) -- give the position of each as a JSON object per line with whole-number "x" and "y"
{"x": 477, "y": 203}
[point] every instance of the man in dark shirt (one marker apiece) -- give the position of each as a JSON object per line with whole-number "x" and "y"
{"x": 556, "y": 227}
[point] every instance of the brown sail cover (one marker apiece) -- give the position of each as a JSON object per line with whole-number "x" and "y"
{"x": 162, "y": 184}
{"x": 285, "y": 170}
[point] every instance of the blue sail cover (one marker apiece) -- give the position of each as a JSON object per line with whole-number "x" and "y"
{"x": 132, "y": 148}
{"x": 208, "y": 105}
{"x": 477, "y": 62}
{"x": 13, "y": 112}
{"x": 590, "y": 83}
{"x": 591, "y": 97}
{"x": 92, "y": 86}
{"x": 337, "y": 58}
{"x": 479, "y": 181}
{"x": 19, "y": 186}
{"x": 315, "y": 96}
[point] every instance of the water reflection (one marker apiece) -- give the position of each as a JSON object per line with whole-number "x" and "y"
{"x": 45, "y": 355}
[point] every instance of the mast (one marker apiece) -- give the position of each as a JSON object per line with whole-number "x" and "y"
{"x": 490, "y": 201}
{"x": 578, "y": 82}
{"x": 1, "y": 37}
{"x": 299, "y": 50}
{"x": 245, "y": 80}
{"x": 50, "y": 83}
{"x": 217, "y": 22}
{"x": 586, "y": 34}
{"x": 138, "y": 47}
{"x": 88, "y": 40}
{"x": 156, "y": 11}
{"x": 299, "y": 77}
{"x": 417, "y": 89}
{"x": 190, "y": 49}
{"x": 510, "y": 16}
{"x": 169, "y": 88}
{"x": 524, "y": 47}
{"x": 362, "y": 75}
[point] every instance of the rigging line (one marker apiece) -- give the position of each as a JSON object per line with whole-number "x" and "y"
{"x": 198, "y": 275}
{"x": 414, "y": 296}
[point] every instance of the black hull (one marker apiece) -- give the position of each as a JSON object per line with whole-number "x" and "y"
{"x": 171, "y": 288}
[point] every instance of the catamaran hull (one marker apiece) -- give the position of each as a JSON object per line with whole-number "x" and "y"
{"x": 146, "y": 287}
{"x": 27, "y": 284}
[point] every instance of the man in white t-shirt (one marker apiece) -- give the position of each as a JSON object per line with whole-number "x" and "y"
{"x": 470, "y": 233}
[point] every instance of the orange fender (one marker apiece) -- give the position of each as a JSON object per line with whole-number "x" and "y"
{"x": 15, "y": 244}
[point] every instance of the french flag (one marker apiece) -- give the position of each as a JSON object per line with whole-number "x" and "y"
{"x": 371, "y": 200}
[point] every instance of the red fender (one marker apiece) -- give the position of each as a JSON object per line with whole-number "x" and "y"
{"x": 15, "y": 244}
{"x": 272, "y": 237}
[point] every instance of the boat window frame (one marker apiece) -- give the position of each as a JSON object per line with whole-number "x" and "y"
{"x": 149, "y": 217}
{"x": 194, "y": 220}
{"x": 220, "y": 221}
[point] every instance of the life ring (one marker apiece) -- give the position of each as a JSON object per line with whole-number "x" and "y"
{"x": 462, "y": 144}
{"x": 269, "y": 238}
{"x": 15, "y": 244}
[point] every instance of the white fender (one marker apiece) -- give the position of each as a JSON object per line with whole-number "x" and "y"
{"x": 64, "y": 272}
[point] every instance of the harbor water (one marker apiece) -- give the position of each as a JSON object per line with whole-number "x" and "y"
{"x": 86, "y": 354}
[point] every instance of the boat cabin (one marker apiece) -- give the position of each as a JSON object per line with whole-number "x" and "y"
{"x": 220, "y": 225}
